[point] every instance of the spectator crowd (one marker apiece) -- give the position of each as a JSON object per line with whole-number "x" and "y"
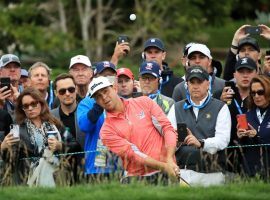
{"x": 98, "y": 122}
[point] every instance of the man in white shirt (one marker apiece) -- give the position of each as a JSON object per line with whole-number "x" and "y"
{"x": 208, "y": 125}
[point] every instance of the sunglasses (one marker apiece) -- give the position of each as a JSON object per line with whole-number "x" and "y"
{"x": 64, "y": 90}
{"x": 33, "y": 104}
{"x": 259, "y": 92}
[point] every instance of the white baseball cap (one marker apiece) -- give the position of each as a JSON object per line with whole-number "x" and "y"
{"x": 199, "y": 48}
{"x": 97, "y": 84}
{"x": 80, "y": 59}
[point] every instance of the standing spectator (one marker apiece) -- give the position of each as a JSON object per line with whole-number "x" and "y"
{"x": 34, "y": 120}
{"x": 149, "y": 78}
{"x": 199, "y": 54}
{"x": 236, "y": 98}
{"x": 24, "y": 80}
{"x": 144, "y": 149}
{"x": 10, "y": 67}
{"x": 256, "y": 159}
{"x": 65, "y": 91}
{"x": 90, "y": 117}
{"x": 39, "y": 75}
{"x": 208, "y": 125}
{"x": 125, "y": 83}
{"x": 80, "y": 69}
{"x": 154, "y": 50}
{"x": 244, "y": 46}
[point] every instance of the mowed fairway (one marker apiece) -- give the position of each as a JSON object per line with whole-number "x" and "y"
{"x": 136, "y": 191}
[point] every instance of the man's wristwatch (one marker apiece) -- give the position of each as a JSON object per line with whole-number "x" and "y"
{"x": 202, "y": 143}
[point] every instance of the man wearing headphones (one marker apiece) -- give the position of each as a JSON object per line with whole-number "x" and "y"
{"x": 149, "y": 77}
{"x": 154, "y": 50}
{"x": 199, "y": 54}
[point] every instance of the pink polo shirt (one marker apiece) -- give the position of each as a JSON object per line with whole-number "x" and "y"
{"x": 142, "y": 130}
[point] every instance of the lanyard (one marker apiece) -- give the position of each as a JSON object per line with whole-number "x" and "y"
{"x": 260, "y": 117}
{"x": 238, "y": 107}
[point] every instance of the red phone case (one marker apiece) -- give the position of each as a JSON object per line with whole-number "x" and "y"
{"x": 242, "y": 121}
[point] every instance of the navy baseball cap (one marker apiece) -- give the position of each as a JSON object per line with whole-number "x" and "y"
{"x": 250, "y": 41}
{"x": 154, "y": 42}
{"x": 100, "y": 66}
{"x": 150, "y": 67}
{"x": 197, "y": 72}
{"x": 245, "y": 62}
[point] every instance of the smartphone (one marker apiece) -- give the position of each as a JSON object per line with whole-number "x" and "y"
{"x": 15, "y": 130}
{"x": 182, "y": 131}
{"x": 230, "y": 84}
{"x": 5, "y": 81}
{"x": 122, "y": 39}
{"x": 242, "y": 121}
{"x": 253, "y": 30}
{"x": 136, "y": 94}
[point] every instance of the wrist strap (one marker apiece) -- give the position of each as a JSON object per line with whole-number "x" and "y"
{"x": 234, "y": 47}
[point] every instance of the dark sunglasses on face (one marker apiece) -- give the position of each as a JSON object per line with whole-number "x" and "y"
{"x": 64, "y": 90}
{"x": 258, "y": 92}
{"x": 33, "y": 104}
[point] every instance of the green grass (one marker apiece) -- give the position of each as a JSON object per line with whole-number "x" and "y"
{"x": 113, "y": 191}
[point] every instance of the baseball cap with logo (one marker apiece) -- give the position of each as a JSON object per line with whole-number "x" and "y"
{"x": 250, "y": 41}
{"x": 150, "y": 67}
{"x": 125, "y": 72}
{"x": 196, "y": 72}
{"x": 199, "y": 48}
{"x": 186, "y": 48}
{"x": 100, "y": 66}
{"x": 98, "y": 84}
{"x": 8, "y": 58}
{"x": 245, "y": 62}
{"x": 80, "y": 59}
{"x": 154, "y": 42}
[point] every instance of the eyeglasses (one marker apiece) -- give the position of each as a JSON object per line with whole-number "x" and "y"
{"x": 150, "y": 78}
{"x": 33, "y": 104}
{"x": 64, "y": 90}
{"x": 258, "y": 92}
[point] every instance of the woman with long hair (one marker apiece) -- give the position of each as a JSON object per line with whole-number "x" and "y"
{"x": 256, "y": 159}
{"x": 37, "y": 142}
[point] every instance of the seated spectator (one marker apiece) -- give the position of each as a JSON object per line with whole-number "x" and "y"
{"x": 256, "y": 159}
{"x": 208, "y": 125}
{"x": 33, "y": 142}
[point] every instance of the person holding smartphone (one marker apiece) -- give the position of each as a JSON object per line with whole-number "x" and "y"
{"x": 208, "y": 125}
{"x": 245, "y": 45}
{"x": 255, "y": 159}
{"x": 11, "y": 70}
{"x": 266, "y": 63}
{"x": 235, "y": 94}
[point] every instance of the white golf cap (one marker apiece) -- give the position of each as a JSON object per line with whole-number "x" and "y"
{"x": 97, "y": 84}
{"x": 199, "y": 48}
{"x": 80, "y": 59}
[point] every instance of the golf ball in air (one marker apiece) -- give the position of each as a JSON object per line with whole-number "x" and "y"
{"x": 132, "y": 17}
